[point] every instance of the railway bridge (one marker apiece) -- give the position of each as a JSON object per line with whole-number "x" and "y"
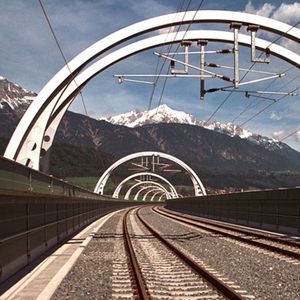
{"x": 145, "y": 240}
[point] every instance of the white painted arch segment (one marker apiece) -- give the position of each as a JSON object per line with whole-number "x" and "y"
{"x": 136, "y": 197}
{"x": 85, "y": 76}
{"x": 197, "y": 184}
{"x": 159, "y": 199}
{"x": 154, "y": 195}
{"x": 150, "y": 192}
{"x": 152, "y": 187}
{"x": 173, "y": 191}
{"x": 127, "y": 195}
{"x": 27, "y": 139}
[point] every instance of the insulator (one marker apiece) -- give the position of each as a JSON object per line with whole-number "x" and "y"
{"x": 224, "y": 51}
{"x": 212, "y": 90}
{"x": 213, "y": 65}
{"x": 226, "y": 78}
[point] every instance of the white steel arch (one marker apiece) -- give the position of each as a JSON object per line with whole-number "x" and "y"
{"x": 154, "y": 195}
{"x": 160, "y": 197}
{"x": 121, "y": 184}
{"x": 168, "y": 196}
{"x": 127, "y": 195}
{"x": 150, "y": 191}
{"x": 198, "y": 186}
{"x": 82, "y": 79}
{"x": 26, "y": 141}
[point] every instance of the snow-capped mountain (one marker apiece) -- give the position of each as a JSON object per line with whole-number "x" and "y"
{"x": 225, "y": 155}
{"x": 165, "y": 114}
{"x": 161, "y": 114}
{"x": 13, "y": 96}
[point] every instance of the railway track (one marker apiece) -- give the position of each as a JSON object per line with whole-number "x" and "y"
{"x": 278, "y": 245}
{"x": 161, "y": 271}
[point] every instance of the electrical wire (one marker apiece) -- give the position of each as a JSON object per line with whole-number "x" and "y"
{"x": 158, "y": 59}
{"x": 250, "y": 106}
{"x": 176, "y": 50}
{"x": 289, "y": 135}
{"x": 266, "y": 107}
{"x": 62, "y": 54}
{"x": 253, "y": 64}
{"x": 168, "y": 51}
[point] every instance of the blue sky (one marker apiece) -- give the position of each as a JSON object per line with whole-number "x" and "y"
{"x": 29, "y": 57}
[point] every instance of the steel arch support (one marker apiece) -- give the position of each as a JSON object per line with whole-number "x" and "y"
{"x": 160, "y": 198}
{"x": 157, "y": 193}
{"x": 150, "y": 191}
{"x": 198, "y": 186}
{"x": 119, "y": 187}
{"x": 127, "y": 195}
{"x": 217, "y": 36}
{"x": 168, "y": 196}
{"x": 27, "y": 129}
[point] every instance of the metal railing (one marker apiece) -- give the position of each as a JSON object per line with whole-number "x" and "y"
{"x": 17, "y": 177}
{"x": 276, "y": 210}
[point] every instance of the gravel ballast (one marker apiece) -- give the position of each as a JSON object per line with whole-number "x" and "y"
{"x": 102, "y": 271}
{"x": 263, "y": 275}
{"x": 102, "y": 263}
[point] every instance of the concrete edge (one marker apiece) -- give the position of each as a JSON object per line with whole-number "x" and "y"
{"x": 53, "y": 285}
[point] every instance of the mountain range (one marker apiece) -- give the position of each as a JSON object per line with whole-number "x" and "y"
{"x": 165, "y": 114}
{"x": 225, "y": 156}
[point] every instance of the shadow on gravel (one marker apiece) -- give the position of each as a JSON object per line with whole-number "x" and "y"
{"x": 190, "y": 236}
{"x": 108, "y": 236}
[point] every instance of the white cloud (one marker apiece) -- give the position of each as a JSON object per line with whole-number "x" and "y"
{"x": 287, "y": 12}
{"x": 275, "y": 116}
{"x": 278, "y": 134}
{"x": 266, "y": 10}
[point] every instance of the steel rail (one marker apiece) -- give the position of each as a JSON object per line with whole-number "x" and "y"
{"x": 243, "y": 230}
{"x": 139, "y": 281}
{"x": 252, "y": 242}
{"x": 209, "y": 277}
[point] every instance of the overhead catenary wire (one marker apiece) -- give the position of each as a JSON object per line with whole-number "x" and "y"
{"x": 168, "y": 50}
{"x": 254, "y": 104}
{"x": 289, "y": 134}
{"x": 253, "y": 64}
{"x": 165, "y": 59}
{"x": 268, "y": 106}
{"x": 62, "y": 53}
{"x": 176, "y": 50}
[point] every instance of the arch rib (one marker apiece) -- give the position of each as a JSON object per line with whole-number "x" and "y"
{"x": 198, "y": 186}
{"x": 119, "y": 187}
{"x": 127, "y": 195}
{"x": 27, "y": 127}
{"x": 166, "y": 193}
{"x": 168, "y": 196}
{"x": 154, "y": 195}
{"x": 150, "y": 191}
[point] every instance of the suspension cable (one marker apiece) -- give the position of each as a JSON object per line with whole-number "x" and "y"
{"x": 62, "y": 54}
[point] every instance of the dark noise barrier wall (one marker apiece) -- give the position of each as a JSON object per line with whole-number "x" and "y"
{"x": 275, "y": 210}
{"x": 31, "y": 223}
